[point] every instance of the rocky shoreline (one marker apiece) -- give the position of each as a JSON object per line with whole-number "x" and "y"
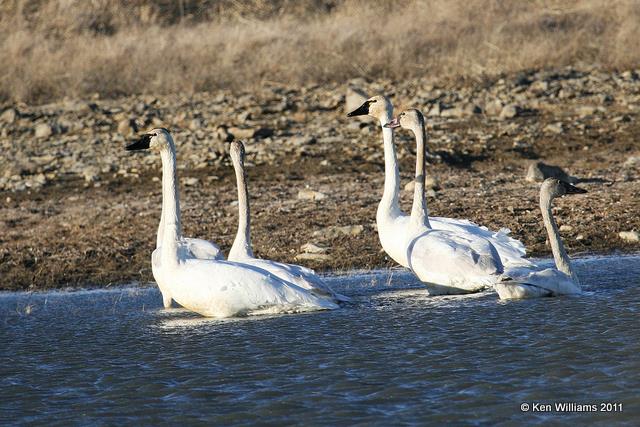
{"x": 79, "y": 210}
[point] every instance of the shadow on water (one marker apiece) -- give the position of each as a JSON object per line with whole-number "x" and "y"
{"x": 394, "y": 356}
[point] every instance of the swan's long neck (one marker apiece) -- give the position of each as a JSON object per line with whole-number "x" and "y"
{"x": 160, "y": 227}
{"x": 241, "y": 247}
{"x": 563, "y": 262}
{"x": 419, "y": 214}
{"x": 389, "y": 203}
{"x": 170, "y": 207}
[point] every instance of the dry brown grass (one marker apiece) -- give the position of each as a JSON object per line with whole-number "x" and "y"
{"x": 55, "y": 48}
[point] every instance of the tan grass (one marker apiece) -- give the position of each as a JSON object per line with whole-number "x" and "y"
{"x": 50, "y": 49}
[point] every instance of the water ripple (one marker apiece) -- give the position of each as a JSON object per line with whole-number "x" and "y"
{"x": 395, "y": 356}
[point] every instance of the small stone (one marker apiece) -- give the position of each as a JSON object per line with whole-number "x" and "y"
{"x": 539, "y": 86}
{"x": 493, "y": 108}
{"x": 566, "y": 227}
{"x": 40, "y": 179}
{"x": 460, "y": 111}
{"x": 91, "y": 174}
{"x": 629, "y": 236}
{"x": 195, "y": 124}
{"x": 335, "y": 231}
{"x": 586, "y": 110}
{"x": 509, "y": 111}
{"x": 353, "y": 99}
{"x": 127, "y": 127}
{"x": 539, "y": 171}
{"x": 222, "y": 134}
{"x": 629, "y": 75}
{"x": 190, "y": 181}
{"x": 312, "y": 257}
{"x": 308, "y": 194}
{"x": 605, "y": 98}
{"x": 241, "y": 133}
{"x": 244, "y": 116}
{"x": 246, "y": 133}
{"x": 632, "y": 162}
{"x": 8, "y": 116}
{"x": 621, "y": 119}
{"x": 435, "y": 110}
{"x": 454, "y": 112}
{"x": 556, "y": 128}
{"x": 43, "y": 130}
{"x": 350, "y": 230}
{"x": 302, "y": 141}
{"x": 431, "y": 182}
{"x": 312, "y": 248}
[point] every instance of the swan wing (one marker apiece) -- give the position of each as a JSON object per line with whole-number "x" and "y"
{"x": 224, "y": 289}
{"x": 447, "y": 259}
{"x": 510, "y": 250}
{"x": 299, "y": 276}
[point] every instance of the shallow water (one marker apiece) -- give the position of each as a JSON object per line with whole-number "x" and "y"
{"x": 396, "y": 356}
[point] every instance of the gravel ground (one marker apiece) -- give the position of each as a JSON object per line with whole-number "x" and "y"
{"x": 78, "y": 210}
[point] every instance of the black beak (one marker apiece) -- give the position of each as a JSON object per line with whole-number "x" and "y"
{"x": 572, "y": 189}
{"x": 362, "y": 110}
{"x": 141, "y": 144}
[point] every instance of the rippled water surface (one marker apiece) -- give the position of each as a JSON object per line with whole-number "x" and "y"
{"x": 396, "y": 356}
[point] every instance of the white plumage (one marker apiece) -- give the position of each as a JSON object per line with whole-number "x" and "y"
{"x": 242, "y": 251}
{"x": 454, "y": 260}
{"x": 534, "y": 281}
{"x": 213, "y": 288}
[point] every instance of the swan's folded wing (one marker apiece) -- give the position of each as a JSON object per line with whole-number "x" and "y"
{"x": 510, "y": 250}
{"x": 223, "y": 289}
{"x": 445, "y": 255}
{"x": 298, "y": 275}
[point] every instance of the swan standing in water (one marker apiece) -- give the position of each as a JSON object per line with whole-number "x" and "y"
{"x": 392, "y": 222}
{"x": 532, "y": 282}
{"x": 214, "y": 288}
{"x": 241, "y": 250}
{"x": 446, "y": 261}
{"x": 188, "y": 247}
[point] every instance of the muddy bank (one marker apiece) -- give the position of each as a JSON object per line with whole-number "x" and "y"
{"x": 79, "y": 210}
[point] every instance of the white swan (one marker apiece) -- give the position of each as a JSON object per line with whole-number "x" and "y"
{"x": 392, "y": 221}
{"x": 213, "y": 288}
{"x": 531, "y": 282}
{"x": 446, "y": 261}
{"x": 241, "y": 250}
{"x": 188, "y": 247}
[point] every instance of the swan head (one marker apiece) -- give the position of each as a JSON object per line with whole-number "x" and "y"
{"x": 236, "y": 150}
{"x": 155, "y": 139}
{"x": 409, "y": 119}
{"x": 553, "y": 188}
{"x": 378, "y": 107}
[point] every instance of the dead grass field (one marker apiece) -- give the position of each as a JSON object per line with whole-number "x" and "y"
{"x": 50, "y": 49}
